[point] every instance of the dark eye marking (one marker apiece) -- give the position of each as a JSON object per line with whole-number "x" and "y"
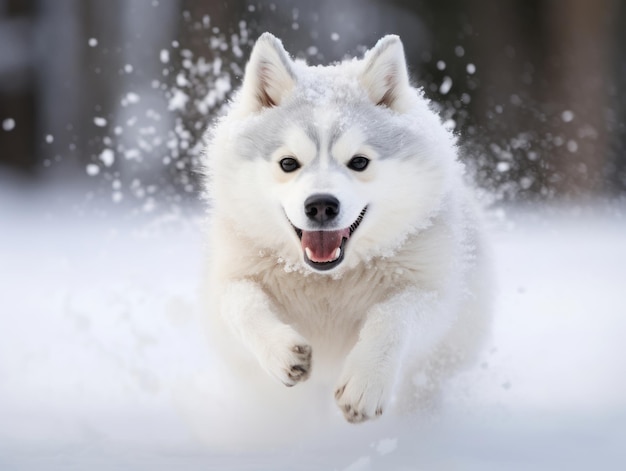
{"x": 289, "y": 164}
{"x": 358, "y": 163}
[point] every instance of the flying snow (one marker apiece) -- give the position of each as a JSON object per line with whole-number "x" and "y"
{"x": 92, "y": 170}
{"x": 567, "y": 116}
{"x": 8, "y": 124}
{"x": 445, "y": 86}
{"x": 107, "y": 156}
{"x": 99, "y": 121}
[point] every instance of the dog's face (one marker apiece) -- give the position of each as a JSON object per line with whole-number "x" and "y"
{"x": 322, "y": 176}
{"x": 329, "y": 166}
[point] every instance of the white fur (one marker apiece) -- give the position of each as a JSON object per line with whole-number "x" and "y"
{"x": 408, "y": 304}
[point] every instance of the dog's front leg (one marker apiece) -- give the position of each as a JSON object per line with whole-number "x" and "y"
{"x": 371, "y": 367}
{"x": 280, "y": 350}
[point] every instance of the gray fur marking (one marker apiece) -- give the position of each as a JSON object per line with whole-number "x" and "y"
{"x": 388, "y": 137}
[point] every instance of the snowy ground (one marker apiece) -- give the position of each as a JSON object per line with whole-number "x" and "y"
{"x": 100, "y": 345}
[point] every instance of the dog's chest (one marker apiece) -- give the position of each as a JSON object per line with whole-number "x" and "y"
{"x": 325, "y": 305}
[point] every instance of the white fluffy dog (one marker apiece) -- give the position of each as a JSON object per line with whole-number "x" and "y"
{"x": 345, "y": 250}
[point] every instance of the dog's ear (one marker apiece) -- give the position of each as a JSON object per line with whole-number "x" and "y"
{"x": 385, "y": 76}
{"x": 269, "y": 75}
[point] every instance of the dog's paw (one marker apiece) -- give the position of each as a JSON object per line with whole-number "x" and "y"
{"x": 298, "y": 366}
{"x": 361, "y": 396}
{"x": 288, "y": 359}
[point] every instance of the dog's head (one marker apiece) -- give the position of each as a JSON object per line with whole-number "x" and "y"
{"x": 329, "y": 166}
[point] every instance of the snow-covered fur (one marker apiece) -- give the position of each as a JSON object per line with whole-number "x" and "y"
{"x": 345, "y": 251}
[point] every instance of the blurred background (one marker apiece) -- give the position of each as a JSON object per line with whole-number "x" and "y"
{"x": 113, "y": 96}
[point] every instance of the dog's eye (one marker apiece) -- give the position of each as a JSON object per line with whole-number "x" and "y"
{"x": 358, "y": 163}
{"x": 289, "y": 164}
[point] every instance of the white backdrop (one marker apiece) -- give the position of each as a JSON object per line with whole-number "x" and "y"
{"x": 101, "y": 348}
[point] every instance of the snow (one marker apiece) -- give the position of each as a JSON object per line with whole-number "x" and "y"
{"x": 178, "y": 100}
{"x": 8, "y": 124}
{"x": 99, "y": 121}
{"x": 107, "y": 156}
{"x": 445, "y": 86}
{"x": 503, "y": 166}
{"x": 101, "y": 346}
{"x": 567, "y": 116}
{"x": 130, "y": 98}
{"x": 92, "y": 170}
{"x": 572, "y": 145}
{"x": 387, "y": 445}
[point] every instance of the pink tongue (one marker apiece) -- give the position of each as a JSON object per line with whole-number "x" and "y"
{"x": 323, "y": 245}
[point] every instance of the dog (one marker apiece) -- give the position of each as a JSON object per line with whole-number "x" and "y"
{"x": 346, "y": 249}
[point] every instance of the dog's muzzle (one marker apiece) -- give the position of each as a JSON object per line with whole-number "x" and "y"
{"x": 325, "y": 249}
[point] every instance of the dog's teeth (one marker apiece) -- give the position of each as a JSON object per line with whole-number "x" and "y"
{"x": 337, "y": 253}
{"x": 309, "y": 253}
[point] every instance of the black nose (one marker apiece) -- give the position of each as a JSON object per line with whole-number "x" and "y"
{"x": 321, "y": 208}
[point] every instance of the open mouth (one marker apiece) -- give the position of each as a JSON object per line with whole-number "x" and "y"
{"x": 324, "y": 250}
